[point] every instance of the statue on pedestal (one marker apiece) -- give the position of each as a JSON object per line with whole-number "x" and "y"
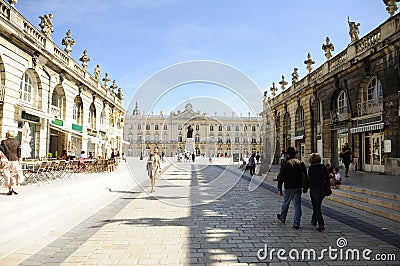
{"x": 189, "y": 132}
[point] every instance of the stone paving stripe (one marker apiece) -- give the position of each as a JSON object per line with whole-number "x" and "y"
{"x": 80, "y": 234}
{"x": 358, "y": 224}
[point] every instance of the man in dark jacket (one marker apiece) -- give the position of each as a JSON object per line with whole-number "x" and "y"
{"x": 291, "y": 176}
{"x": 12, "y": 150}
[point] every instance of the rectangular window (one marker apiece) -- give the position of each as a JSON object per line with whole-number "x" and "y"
{"x": 165, "y": 127}
{"x": 236, "y": 128}
{"x": 228, "y": 128}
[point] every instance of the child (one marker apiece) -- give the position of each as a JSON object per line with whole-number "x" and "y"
{"x": 337, "y": 177}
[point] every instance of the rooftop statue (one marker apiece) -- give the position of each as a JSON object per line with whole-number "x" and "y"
{"x": 97, "y": 72}
{"x": 68, "y": 42}
{"x": 354, "y": 30}
{"x": 46, "y": 24}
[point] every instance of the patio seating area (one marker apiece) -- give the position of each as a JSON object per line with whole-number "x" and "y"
{"x": 44, "y": 171}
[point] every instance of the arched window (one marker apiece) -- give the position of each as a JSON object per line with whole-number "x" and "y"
{"x": 254, "y": 139}
{"x": 300, "y": 118}
{"x": 319, "y": 112}
{"x": 103, "y": 120}
{"x": 92, "y": 117}
{"x": 165, "y": 138}
{"x": 147, "y": 126}
{"x": 77, "y": 110}
{"x": 211, "y": 128}
{"x": 29, "y": 90}
{"x": 342, "y": 102}
{"x": 374, "y": 90}
{"x": 139, "y": 127}
{"x": 197, "y": 127}
{"x": 197, "y": 138}
{"x": 253, "y": 128}
{"x": 156, "y": 127}
{"x": 58, "y": 103}
{"x": 179, "y": 137}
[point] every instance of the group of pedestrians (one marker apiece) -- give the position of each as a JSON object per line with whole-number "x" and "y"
{"x": 294, "y": 178}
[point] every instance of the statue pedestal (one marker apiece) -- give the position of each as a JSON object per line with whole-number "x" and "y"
{"x": 189, "y": 147}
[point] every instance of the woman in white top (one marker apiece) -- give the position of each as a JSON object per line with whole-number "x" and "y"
{"x": 150, "y": 166}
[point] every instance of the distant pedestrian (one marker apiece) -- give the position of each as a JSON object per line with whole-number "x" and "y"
{"x": 345, "y": 154}
{"x": 252, "y": 164}
{"x": 193, "y": 157}
{"x": 150, "y": 170}
{"x": 318, "y": 179}
{"x": 258, "y": 158}
{"x": 290, "y": 176}
{"x": 12, "y": 150}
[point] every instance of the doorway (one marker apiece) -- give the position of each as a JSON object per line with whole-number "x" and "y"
{"x": 373, "y": 152}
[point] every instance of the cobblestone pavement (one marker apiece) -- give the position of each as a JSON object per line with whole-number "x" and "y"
{"x": 200, "y": 214}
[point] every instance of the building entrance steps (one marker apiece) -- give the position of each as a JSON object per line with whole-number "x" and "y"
{"x": 371, "y": 192}
{"x": 377, "y": 205}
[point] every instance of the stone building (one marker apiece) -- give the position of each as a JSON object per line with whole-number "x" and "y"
{"x": 217, "y": 135}
{"x": 48, "y": 98}
{"x": 352, "y": 98}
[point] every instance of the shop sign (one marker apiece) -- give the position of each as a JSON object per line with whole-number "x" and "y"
{"x": 57, "y": 122}
{"x": 30, "y": 117}
{"x": 387, "y": 146}
{"x": 77, "y": 127}
{"x": 91, "y": 132}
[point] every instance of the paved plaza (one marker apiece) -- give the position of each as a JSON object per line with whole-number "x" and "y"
{"x": 200, "y": 214}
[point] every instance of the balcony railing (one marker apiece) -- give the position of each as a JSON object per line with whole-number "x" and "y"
{"x": 370, "y": 107}
{"x": 54, "y": 110}
{"x": 339, "y": 115}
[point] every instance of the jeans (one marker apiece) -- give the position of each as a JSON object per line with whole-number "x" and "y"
{"x": 316, "y": 200}
{"x": 288, "y": 195}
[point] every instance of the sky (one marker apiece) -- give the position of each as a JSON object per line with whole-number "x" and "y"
{"x": 133, "y": 40}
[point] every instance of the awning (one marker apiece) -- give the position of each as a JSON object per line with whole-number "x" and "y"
{"x": 35, "y": 112}
{"x": 298, "y": 137}
{"x": 367, "y": 128}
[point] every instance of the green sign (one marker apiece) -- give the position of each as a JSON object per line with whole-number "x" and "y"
{"x": 77, "y": 127}
{"x": 30, "y": 117}
{"x": 57, "y": 122}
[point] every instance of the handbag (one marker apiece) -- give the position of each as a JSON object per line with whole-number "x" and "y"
{"x": 4, "y": 163}
{"x": 328, "y": 190}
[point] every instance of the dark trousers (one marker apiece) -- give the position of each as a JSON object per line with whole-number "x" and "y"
{"x": 316, "y": 200}
{"x": 252, "y": 169}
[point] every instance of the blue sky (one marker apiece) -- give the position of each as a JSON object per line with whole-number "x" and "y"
{"x": 134, "y": 39}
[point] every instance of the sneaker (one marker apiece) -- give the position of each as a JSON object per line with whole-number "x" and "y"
{"x": 296, "y": 227}
{"x": 280, "y": 218}
{"x": 9, "y": 192}
{"x": 346, "y": 176}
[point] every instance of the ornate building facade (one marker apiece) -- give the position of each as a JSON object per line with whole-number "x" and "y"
{"x": 352, "y": 98}
{"x": 49, "y": 99}
{"x": 217, "y": 135}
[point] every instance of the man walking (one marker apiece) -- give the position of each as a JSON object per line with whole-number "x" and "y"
{"x": 291, "y": 176}
{"x": 12, "y": 150}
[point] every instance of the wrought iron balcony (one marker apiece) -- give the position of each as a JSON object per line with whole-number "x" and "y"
{"x": 370, "y": 107}
{"x": 339, "y": 115}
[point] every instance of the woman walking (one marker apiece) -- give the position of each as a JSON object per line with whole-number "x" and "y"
{"x": 150, "y": 167}
{"x": 318, "y": 179}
